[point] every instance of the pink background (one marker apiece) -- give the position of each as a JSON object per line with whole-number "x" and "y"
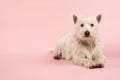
{"x": 29, "y": 28}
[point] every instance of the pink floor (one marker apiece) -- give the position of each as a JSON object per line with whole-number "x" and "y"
{"x": 43, "y": 67}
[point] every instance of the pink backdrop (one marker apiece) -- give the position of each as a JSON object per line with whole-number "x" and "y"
{"x": 32, "y": 27}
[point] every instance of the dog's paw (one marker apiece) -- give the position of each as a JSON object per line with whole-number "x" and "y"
{"x": 96, "y": 66}
{"x": 92, "y": 67}
{"x": 99, "y": 66}
{"x": 57, "y": 57}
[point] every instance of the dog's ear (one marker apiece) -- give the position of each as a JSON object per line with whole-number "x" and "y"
{"x": 99, "y": 18}
{"x": 75, "y": 18}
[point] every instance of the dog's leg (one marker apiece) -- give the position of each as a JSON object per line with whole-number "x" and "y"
{"x": 99, "y": 60}
{"x": 67, "y": 54}
{"x": 58, "y": 56}
{"x": 57, "y": 53}
{"x": 83, "y": 61}
{"x": 68, "y": 57}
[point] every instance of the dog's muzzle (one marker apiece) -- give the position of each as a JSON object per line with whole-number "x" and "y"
{"x": 87, "y": 33}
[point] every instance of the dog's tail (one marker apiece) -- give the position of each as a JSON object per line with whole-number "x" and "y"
{"x": 52, "y": 50}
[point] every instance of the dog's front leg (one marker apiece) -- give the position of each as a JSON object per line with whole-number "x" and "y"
{"x": 83, "y": 60}
{"x": 99, "y": 59}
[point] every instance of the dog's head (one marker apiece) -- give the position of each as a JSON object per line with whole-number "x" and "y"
{"x": 86, "y": 28}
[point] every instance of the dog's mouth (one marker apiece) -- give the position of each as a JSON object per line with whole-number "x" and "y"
{"x": 87, "y": 36}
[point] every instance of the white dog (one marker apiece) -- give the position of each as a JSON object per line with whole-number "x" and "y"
{"x": 83, "y": 47}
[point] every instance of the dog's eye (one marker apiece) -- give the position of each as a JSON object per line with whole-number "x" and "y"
{"x": 91, "y": 25}
{"x": 82, "y": 25}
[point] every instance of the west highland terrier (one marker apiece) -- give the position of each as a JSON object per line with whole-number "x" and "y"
{"x": 83, "y": 46}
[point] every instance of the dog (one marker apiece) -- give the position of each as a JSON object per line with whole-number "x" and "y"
{"x": 83, "y": 46}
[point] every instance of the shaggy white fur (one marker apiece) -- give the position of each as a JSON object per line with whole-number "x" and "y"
{"x": 83, "y": 46}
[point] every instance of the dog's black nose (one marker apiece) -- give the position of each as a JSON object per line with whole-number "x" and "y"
{"x": 87, "y": 33}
